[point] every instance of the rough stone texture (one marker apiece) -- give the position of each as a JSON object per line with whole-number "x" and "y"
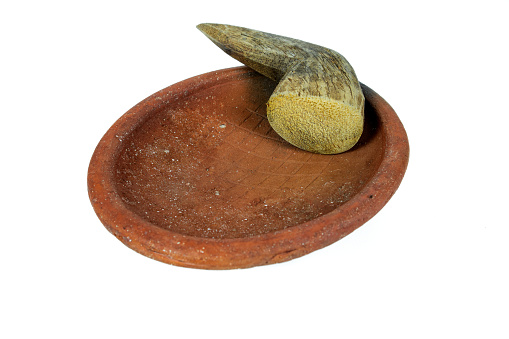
{"x": 195, "y": 176}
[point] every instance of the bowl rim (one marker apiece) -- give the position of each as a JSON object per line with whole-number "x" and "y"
{"x": 273, "y": 247}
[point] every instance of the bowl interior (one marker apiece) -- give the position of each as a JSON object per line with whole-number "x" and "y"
{"x": 209, "y": 165}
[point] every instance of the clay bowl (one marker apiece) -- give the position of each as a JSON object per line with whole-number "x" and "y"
{"x": 194, "y": 176}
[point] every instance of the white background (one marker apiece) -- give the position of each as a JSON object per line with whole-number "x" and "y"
{"x": 432, "y": 264}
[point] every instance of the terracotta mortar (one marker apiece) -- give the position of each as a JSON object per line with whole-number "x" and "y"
{"x": 194, "y": 176}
